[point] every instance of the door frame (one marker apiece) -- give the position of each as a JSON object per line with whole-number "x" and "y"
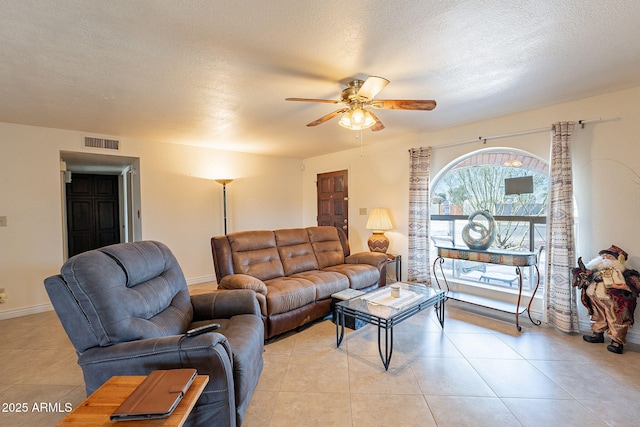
{"x": 128, "y": 171}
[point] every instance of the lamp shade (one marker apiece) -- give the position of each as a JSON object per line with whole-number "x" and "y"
{"x": 379, "y": 220}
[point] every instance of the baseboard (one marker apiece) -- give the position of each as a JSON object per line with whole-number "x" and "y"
{"x": 25, "y": 311}
{"x": 198, "y": 280}
{"x": 495, "y": 314}
{"x": 633, "y": 335}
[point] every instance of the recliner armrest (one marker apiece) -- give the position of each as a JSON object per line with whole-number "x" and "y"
{"x": 242, "y": 281}
{"x": 224, "y": 304}
{"x": 208, "y": 353}
{"x": 376, "y": 259}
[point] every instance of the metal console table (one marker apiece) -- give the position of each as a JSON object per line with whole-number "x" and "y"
{"x": 491, "y": 256}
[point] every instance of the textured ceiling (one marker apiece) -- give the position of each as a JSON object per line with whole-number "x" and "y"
{"x": 215, "y": 73}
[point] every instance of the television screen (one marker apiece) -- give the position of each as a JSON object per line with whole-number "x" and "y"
{"x": 519, "y": 185}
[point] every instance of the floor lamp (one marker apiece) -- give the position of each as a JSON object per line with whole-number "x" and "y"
{"x": 224, "y": 183}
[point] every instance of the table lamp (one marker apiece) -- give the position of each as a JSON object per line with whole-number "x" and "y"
{"x": 378, "y": 222}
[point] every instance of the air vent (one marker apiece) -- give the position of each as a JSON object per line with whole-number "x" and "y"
{"x": 102, "y": 143}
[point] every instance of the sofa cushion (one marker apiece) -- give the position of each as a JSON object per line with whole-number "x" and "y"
{"x": 326, "y": 282}
{"x": 255, "y": 254}
{"x": 360, "y": 275}
{"x": 326, "y": 245}
{"x": 288, "y": 293}
{"x": 296, "y": 252}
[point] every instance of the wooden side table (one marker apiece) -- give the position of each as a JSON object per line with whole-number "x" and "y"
{"x": 96, "y": 409}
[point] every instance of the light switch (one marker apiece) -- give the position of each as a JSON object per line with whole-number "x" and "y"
{"x": 363, "y": 211}
{"x": 3, "y": 221}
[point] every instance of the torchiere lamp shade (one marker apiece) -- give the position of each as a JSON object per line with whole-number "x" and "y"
{"x": 378, "y": 221}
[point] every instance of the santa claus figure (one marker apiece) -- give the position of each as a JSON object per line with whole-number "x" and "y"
{"x": 609, "y": 292}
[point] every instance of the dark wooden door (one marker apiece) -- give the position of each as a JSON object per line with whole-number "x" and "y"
{"x": 93, "y": 212}
{"x": 333, "y": 200}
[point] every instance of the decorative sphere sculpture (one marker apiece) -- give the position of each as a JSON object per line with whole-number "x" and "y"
{"x": 483, "y": 236}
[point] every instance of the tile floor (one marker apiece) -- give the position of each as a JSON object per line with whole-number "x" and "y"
{"x": 479, "y": 371}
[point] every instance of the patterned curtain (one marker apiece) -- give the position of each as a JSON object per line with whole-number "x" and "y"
{"x": 419, "y": 269}
{"x": 561, "y": 308}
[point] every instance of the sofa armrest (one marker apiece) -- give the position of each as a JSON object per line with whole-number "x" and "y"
{"x": 376, "y": 259}
{"x": 224, "y": 304}
{"x": 208, "y": 353}
{"x": 242, "y": 281}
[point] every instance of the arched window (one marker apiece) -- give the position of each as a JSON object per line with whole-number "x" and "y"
{"x": 513, "y": 186}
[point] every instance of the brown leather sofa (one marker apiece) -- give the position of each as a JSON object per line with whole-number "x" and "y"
{"x": 294, "y": 271}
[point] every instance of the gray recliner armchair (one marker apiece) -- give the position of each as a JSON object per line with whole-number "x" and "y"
{"x": 126, "y": 308}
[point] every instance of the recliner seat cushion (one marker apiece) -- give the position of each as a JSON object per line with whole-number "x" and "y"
{"x": 325, "y": 282}
{"x": 288, "y": 293}
{"x": 360, "y": 275}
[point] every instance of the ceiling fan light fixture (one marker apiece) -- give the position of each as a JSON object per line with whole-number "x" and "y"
{"x": 345, "y": 120}
{"x": 368, "y": 120}
{"x": 358, "y": 98}
{"x": 357, "y": 119}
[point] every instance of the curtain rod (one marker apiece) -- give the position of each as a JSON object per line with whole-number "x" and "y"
{"x": 484, "y": 139}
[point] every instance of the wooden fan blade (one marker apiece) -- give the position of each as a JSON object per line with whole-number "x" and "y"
{"x": 404, "y": 104}
{"x": 327, "y": 117}
{"x": 378, "y": 126}
{"x": 327, "y": 101}
{"x": 371, "y": 87}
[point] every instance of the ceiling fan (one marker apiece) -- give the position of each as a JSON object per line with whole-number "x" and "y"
{"x": 359, "y": 100}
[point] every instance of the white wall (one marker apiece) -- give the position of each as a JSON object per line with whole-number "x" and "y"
{"x": 606, "y": 162}
{"x": 182, "y": 207}
{"x": 181, "y": 204}
{"x": 378, "y": 177}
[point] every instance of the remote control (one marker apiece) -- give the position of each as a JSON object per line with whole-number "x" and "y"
{"x": 202, "y": 329}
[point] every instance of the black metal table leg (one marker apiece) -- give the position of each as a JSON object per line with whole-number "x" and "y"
{"x": 339, "y": 324}
{"x": 440, "y": 312}
{"x": 388, "y": 346}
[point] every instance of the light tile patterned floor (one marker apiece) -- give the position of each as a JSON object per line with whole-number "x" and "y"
{"x": 478, "y": 371}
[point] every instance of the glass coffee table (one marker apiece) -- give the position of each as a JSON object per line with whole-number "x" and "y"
{"x": 380, "y": 308}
